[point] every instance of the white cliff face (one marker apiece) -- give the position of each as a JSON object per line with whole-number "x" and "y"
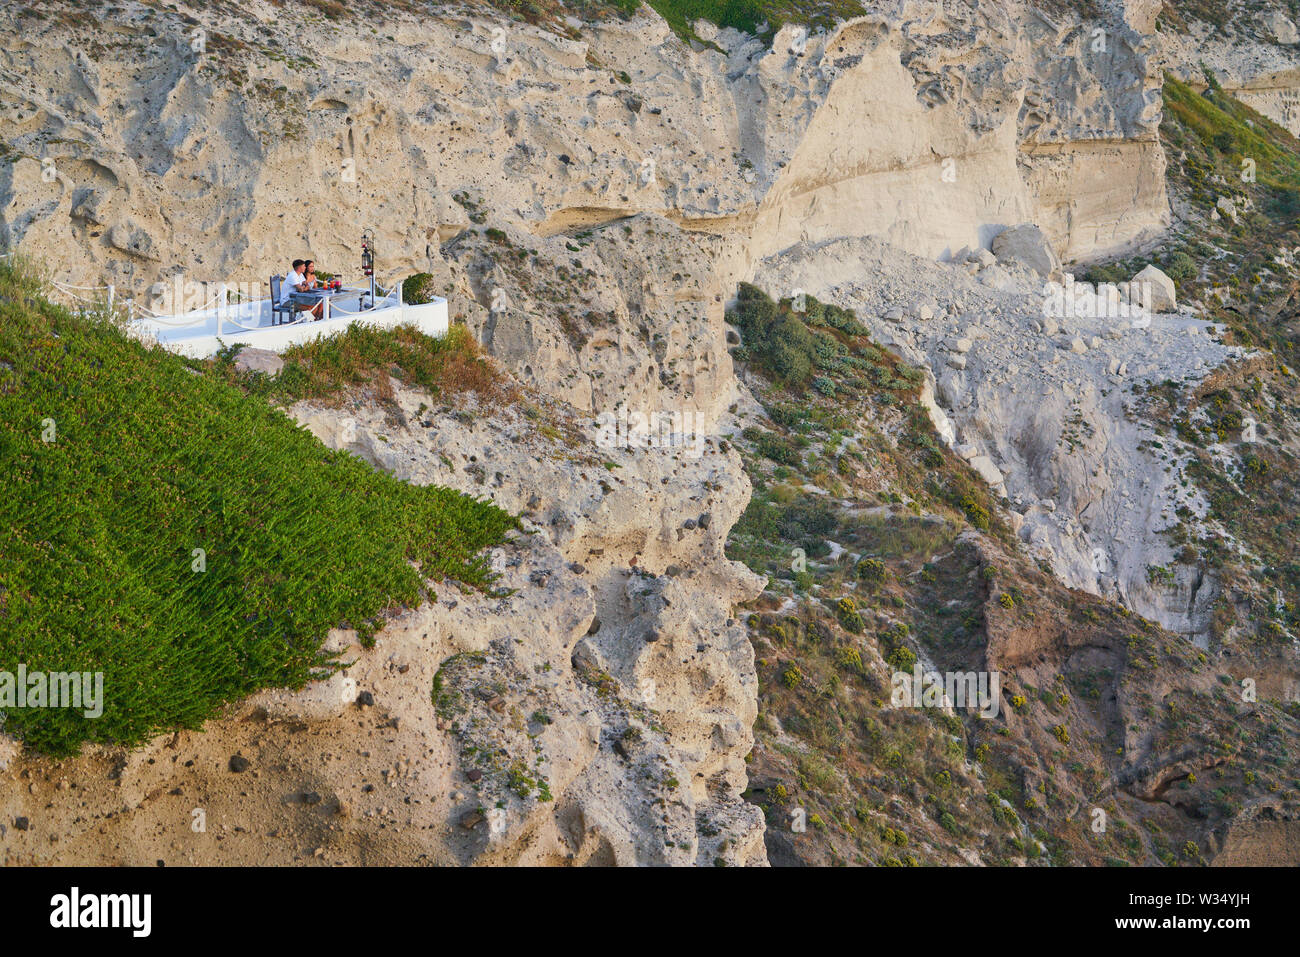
{"x": 931, "y": 125}
{"x": 623, "y": 318}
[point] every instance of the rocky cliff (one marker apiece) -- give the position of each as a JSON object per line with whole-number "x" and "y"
{"x": 217, "y": 144}
{"x": 588, "y": 194}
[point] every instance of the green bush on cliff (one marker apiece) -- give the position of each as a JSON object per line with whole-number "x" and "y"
{"x": 186, "y": 539}
{"x": 779, "y": 340}
{"x": 418, "y": 289}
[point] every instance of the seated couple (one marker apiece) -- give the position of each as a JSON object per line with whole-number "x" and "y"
{"x": 301, "y": 278}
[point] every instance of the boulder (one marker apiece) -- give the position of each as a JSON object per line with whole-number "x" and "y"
{"x": 10, "y": 749}
{"x": 987, "y": 470}
{"x": 951, "y": 388}
{"x": 259, "y": 360}
{"x": 1026, "y": 244}
{"x": 942, "y": 424}
{"x": 1159, "y": 288}
{"x": 1281, "y": 27}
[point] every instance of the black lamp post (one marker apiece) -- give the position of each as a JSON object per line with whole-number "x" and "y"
{"x": 368, "y": 261}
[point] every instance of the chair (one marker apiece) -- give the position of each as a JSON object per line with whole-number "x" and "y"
{"x": 278, "y": 309}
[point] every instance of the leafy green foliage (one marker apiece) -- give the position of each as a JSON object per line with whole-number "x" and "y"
{"x": 327, "y": 369}
{"x": 1180, "y": 266}
{"x": 418, "y": 289}
{"x": 791, "y": 340}
{"x": 150, "y": 460}
{"x": 744, "y": 15}
{"x": 774, "y": 446}
{"x": 749, "y": 16}
{"x": 1221, "y": 123}
{"x": 777, "y": 339}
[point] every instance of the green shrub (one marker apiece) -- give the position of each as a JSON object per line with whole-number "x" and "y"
{"x": 1180, "y": 267}
{"x": 849, "y": 658}
{"x": 892, "y": 836}
{"x": 418, "y": 289}
{"x": 1160, "y": 575}
{"x": 367, "y": 358}
{"x": 1255, "y": 465}
{"x": 743, "y": 15}
{"x": 976, "y": 513}
{"x": 871, "y": 569}
{"x": 808, "y": 521}
{"x": 779, "y": 341}
{"x": 774, "y": 446}
{"x": 849, "y": 618}
{"x": 902, "y": 658}
{"x": 842, "y": 319}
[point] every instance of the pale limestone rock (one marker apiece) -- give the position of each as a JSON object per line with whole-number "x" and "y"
{"x": 1163, "y": 295}
{"x": 10, "y": 750}
{"x": 1028, "y": 421}
{"x": 259, "y": 360}
{"x": 1282, "y": 28}
{"x": 951, "y": 387}
{"x": 939, "y": 418}
{"x": 1027, "y": 245}
{"x": 987, "y": 470}
{"x": 440, "y": 140}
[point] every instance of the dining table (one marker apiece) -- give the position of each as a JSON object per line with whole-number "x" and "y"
{"x": 330, "y": 296}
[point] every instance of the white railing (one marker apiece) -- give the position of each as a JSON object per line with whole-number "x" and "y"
{"x": 84, "y": 304}
{"x": 226, "y": 312}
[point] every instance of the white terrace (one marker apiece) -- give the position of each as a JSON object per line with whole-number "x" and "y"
{"x": 225, "y": 320}
{"x": 259, "y": 324}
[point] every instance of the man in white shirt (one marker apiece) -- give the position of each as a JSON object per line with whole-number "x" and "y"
{"x": 295, "y": 280}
